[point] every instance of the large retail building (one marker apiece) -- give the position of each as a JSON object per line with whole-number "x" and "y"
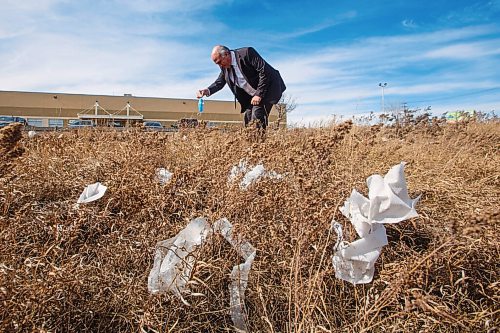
{"x": 57, "y": 110}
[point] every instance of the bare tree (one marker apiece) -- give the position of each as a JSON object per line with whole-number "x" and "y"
{"x": 285, "y": 105}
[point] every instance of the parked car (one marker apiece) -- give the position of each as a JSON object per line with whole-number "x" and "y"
{"x": 6, "y": 120}
{"x": 115, "y": 124}
{"x": 152, "y": 124}
{"x": 81, "y": 123}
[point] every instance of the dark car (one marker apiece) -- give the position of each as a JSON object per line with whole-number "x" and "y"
{"x": 6, "y": 120}
{"x": 152, "y": 125}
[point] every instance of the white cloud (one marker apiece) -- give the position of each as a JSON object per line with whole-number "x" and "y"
{"x": 319, "y": 27}
{"x": 162, "y": 6}
{"x": 471, "y": 50}
{"x": 409, "y": 23}
{"x": 30, "y": 5}
{"x": 345, "y": 78}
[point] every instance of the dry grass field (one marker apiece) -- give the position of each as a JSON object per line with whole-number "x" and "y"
{"x": 69, "y": 269}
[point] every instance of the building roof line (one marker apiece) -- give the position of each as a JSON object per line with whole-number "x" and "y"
{"x": 119, "y": 96}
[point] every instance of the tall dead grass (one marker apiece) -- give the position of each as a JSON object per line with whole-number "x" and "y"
{"x": 64, "y": 269}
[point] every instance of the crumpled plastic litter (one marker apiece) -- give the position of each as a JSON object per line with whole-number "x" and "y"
{"x": 239, "y": 274}
{"x": 251, "y": 173}
{"x": 388, "y": 202}
{"x": 163, "y": 175}
{"x": 92, "y": 192}
{"x": 174, "y": 262}
{"x": 252, "y": 176}
{"x": 31, "y": 134}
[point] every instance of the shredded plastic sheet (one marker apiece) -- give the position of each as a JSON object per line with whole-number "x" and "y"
{"x": 251, "y": 173}
{"x": 388, "y": 202}
{"x": 252, "y": 176}
{"x": 174, "y": 262}
{"x": 163, "y": 175}
{"x": 92, "y": 192}
{"x": 239, "y": 274}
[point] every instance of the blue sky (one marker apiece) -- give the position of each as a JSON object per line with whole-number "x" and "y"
{"x": 331, "y": 54}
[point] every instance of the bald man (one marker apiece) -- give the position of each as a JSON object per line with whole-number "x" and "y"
{"x": 255, "y": 84}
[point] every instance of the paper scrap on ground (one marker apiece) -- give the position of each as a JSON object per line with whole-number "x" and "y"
{"x": 31, "y": 134}
{"x": 174, "y": 262}
{"x": 388, "y": 202}
{"x": 251, "y": 173}
{"x": 92, "y": 192}
{"x": 163, "y": 175}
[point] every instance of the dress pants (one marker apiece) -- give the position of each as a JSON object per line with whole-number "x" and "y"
{"x": 258, "y": 113}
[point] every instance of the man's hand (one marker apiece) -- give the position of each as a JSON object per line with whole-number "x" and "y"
{"x": 202, "y": 92}
{"x": 256, "y": 100}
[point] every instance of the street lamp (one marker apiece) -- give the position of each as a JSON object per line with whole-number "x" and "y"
{"x": 383, "y": 85}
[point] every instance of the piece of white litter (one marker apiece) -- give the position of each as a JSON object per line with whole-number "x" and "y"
{"x": 251, "y": 173}
{"x": 388, "y": 202}
{"x": 274, "y": 175}
{"x": 252, "y": 176}
{"x": 237, "y": 170}
{"x": 92, "y": 192}
{"x": 355, "y": 262}
{"x": 174, "y": 262}
{"x": 163, "y": 175}
{"x": 239, "y": 274}
{"x": 31, "y": 134}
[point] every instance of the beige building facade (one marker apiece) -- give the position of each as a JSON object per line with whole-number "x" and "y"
{"x": 58, "y": 109}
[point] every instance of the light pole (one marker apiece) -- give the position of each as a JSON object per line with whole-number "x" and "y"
{"x": 383, "y": 85}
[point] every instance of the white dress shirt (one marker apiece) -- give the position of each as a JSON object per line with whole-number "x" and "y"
{"x": 240, "y": 79}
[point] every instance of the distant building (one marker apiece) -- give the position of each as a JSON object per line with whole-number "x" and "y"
{"x": 57, "y": 110}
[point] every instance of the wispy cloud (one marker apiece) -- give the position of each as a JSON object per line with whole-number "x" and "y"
{"x": 471, "y": 50}
{"x": 72, "y": 49}
{"x": 343, "y": 80}
{"x": 170, "y": 6}
{"x": 475, "y": 12}
{"x": 331, "y": 22}
{"x": 409, "y": 23}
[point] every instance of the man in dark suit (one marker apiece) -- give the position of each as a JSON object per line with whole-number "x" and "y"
{"x": 255, "y": 84}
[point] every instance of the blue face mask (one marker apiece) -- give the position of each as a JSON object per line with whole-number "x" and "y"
{"x": 200, "y": 105}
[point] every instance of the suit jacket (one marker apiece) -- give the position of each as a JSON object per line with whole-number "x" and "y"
{"x": 258, "y": 73}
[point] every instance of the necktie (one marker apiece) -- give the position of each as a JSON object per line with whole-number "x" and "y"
{"x": 233, "y": 74}
{"x": 233, "y": 78}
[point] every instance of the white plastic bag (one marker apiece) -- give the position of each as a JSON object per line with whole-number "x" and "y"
{"x": 355, "y": 262}
{"x": 174, "y": 262}
{"x": 388, "y": 202}
{"x": 163, "y": 175}
{"x": 251, "y": 174}
{"x": 239, "y": 274}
